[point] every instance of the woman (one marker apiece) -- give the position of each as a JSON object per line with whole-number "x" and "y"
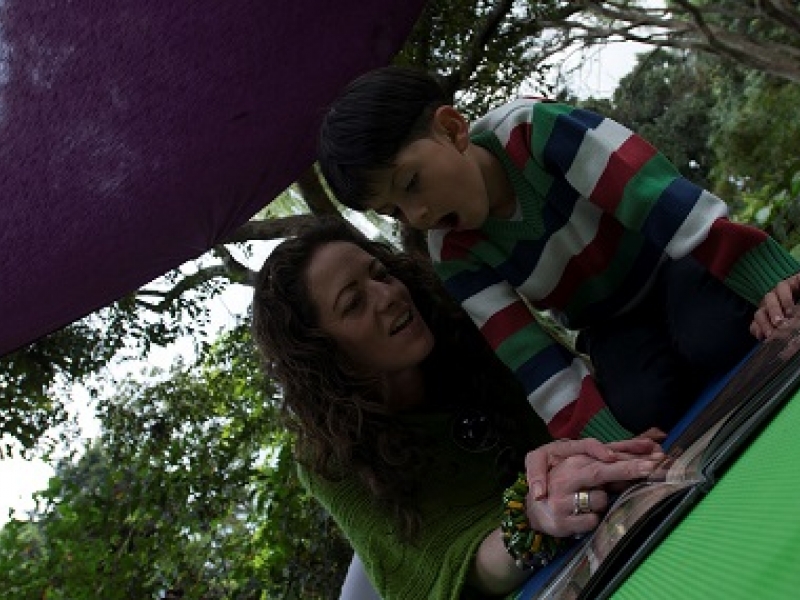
{"x": 408, "y": 429}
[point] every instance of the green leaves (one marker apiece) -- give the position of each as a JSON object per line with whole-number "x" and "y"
{"x": 191, "y": 487}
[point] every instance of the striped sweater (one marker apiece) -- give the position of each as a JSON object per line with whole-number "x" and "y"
{"x": 599, "y": 210}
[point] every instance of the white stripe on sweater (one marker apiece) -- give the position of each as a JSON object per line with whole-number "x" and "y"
{"x": 594, "y": 153}
{"x": 502, "y": 121}
{"x": 696, "y": 225}
{"x": 489, "y": 301}
{"x": 561, "y": 390}
{"x": 564, "y": 244}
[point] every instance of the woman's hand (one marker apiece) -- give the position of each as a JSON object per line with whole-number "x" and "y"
{"x": 539, "y": 462}
{"x": 776, "y": 306}
{"x": 571, "y": 466}
{"x": 579, "y": 473}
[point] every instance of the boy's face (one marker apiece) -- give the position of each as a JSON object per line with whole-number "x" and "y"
{"x": 438, "y": 181}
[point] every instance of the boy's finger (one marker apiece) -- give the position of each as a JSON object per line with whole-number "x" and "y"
{"x": 785, "y": 298}
{"x": 771, "y": 307}
{"x": 599, "y": 474}
{"x": 638, "y": 445}
{"x": 755, "y": 330}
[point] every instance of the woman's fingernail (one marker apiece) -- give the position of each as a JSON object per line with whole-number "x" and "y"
{"x": 538, "y": 490}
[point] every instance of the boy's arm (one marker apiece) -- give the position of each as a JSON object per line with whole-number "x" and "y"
{"x": 557, "y": 383}
{"x": 629, "y": 179}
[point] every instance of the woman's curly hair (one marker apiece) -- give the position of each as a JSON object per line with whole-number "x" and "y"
{"x": 339, "y": 415}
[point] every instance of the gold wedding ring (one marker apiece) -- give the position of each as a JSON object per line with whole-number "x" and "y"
{"x": 581, "y": 502}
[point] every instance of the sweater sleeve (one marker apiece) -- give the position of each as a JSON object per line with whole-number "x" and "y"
{"x": 434, "y": 566}
{"x": 558, "y": 384}
{"x": 629, "y": 179}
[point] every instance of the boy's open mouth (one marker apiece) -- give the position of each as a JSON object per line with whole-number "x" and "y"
{"x": 449, "y": 221}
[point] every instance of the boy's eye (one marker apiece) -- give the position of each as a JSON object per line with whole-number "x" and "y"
{"x": 413, "y": 183}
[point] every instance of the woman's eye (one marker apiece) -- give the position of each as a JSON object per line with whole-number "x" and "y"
{"x": 352, "y": 304}
{"x": 413, "y": 183}
{"x": 381, "y": 274}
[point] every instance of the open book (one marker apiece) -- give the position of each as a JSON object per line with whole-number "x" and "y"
{"x": 646, "y": 512}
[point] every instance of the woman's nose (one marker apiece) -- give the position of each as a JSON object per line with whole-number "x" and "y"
{"x": 385, "y": 295}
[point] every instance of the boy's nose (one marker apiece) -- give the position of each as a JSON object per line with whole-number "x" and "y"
{"x": 417, "y": 216}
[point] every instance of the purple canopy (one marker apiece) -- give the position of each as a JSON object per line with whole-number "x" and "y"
{"x": 135, "y": 135}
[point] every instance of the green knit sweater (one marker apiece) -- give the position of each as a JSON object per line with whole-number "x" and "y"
{"x": 460, "y": 504}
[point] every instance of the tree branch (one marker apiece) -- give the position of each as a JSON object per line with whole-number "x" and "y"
{"x": 314, "y": 194}
{"x": 474, "y": 54}
{"x": 268, "y": 229}
{"x": 187, "y": 283}
{"x": 237, "y": 271}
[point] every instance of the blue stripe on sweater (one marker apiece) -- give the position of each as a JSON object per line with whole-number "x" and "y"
{"x": 558, "y": 206}
{"x": 539, "y": 368}
{"x": 563, "y": 144}
{"x": 566, "y": 138}
{"x": 586, "y": 117}
{"x": 467, "y": 283}
{"x": 670, "y": 211}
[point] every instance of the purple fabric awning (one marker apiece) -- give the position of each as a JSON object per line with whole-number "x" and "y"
{"x": 135, "y": 134}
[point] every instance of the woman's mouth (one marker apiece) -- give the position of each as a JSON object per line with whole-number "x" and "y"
{"x": 401, "y": 322}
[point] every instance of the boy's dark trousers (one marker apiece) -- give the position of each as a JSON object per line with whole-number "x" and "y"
{"x": 652, "y": 362}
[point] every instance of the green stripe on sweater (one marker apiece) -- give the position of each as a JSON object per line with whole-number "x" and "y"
{"x": 544, "y": 119}
{"x": 755, "y": 273}
{"x": 605, "y": 428}
{"x": 643, "y": 191}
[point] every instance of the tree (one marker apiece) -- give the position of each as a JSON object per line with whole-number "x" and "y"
{"x": 668, "y": 99}
{"x": 191, "y": 489}
{"x": 762, "y": 35}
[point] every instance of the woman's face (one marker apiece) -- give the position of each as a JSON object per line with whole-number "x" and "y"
{"x": 369, "y": 313}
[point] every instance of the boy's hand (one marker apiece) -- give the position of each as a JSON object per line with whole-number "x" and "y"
{"x": 777, "y": 306}
{"x": 654, "y": 433}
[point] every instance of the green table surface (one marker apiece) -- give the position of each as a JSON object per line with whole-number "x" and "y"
{"x": 743, "y": 539}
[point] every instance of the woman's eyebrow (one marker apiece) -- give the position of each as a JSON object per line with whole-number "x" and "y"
{"x": 374, "y": 265}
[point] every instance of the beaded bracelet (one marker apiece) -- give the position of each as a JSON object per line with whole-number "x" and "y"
{"x": 530, "y": 549}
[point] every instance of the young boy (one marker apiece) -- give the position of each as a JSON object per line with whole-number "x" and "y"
{"x": 545, "y": 205}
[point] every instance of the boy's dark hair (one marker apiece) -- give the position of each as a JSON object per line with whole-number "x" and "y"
{"x": 372, "y": 120}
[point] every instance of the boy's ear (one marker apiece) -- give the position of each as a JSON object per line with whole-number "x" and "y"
{"x": 448, "y": 121}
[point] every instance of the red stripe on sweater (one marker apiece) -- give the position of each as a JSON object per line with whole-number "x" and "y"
{"x": 518, "y": 146}
{"x": 457, "y": 244}
{"x": 622, "y": 165}
{"x": 572, "y": 419}
{"x": 592, "y": 261}
{"x": 505, "y": 322}
{"x": 725, "y": 244}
